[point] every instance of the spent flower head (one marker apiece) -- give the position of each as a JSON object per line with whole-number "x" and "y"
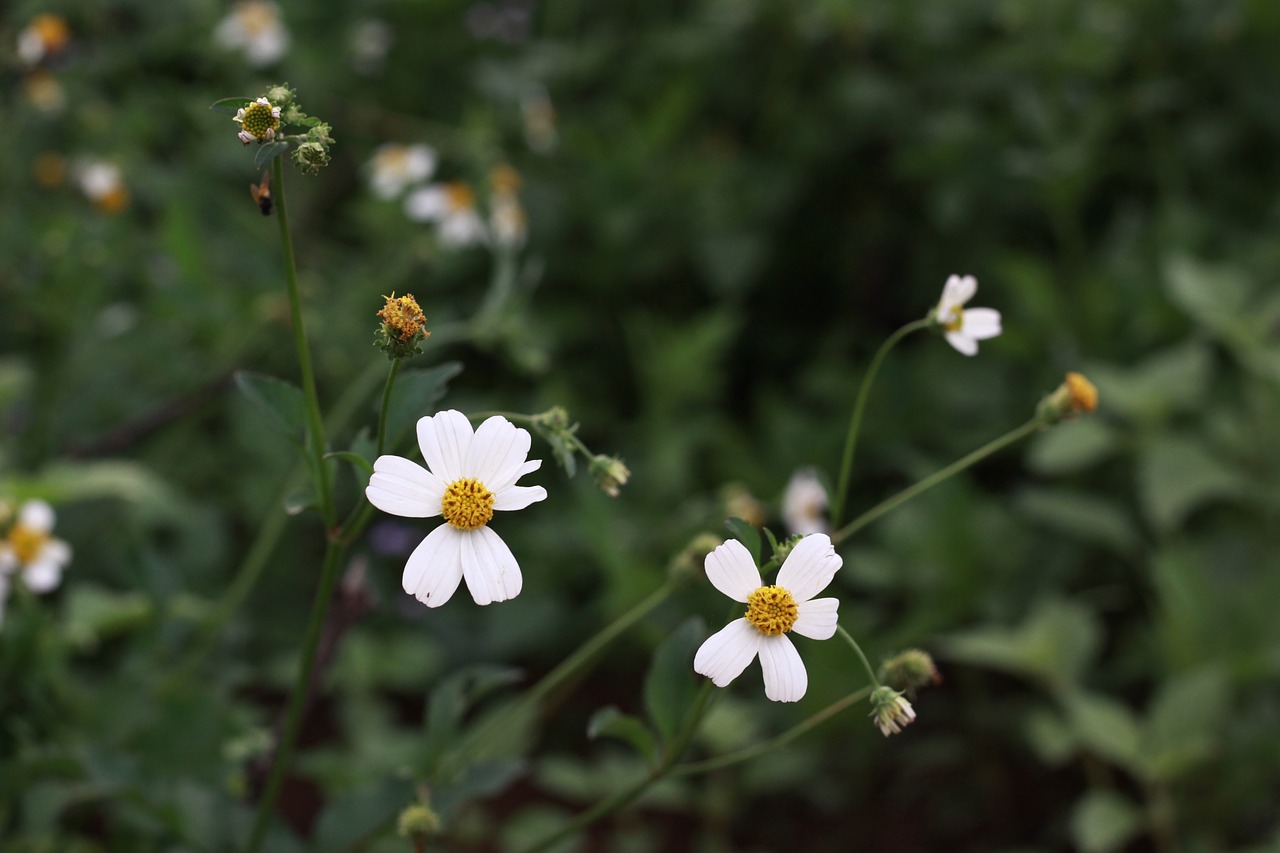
{"x": 610, "y": 474}
{"x": 470, "y": 474}
{"x": 403, "y": 327}
{"x": 964, "y": 327}
{"x": 891, "y": 712}
{"x": 418, "y": 822}
{"x": 772, "y": 613}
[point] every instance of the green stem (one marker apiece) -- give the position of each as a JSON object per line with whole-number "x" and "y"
{"x": 297, "y": 700}
{"x": 1011, "y": 437}
{"x": 855, "y": 421}
{"x": 315, "y": 424}
{"x": 604, "y": 808}
{"x": 871, "y": 673}
{"x": 386, "y": 404}
{"x": 781, "y": 740}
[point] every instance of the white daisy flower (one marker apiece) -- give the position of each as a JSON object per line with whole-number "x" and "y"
{"x": 804, "y": 503}
{"x": 772, "y": 613}
{"x": 964, "y": 328}
{"x": 469, "y": 475}
{"x": 394, "y": 168}
{"x": 453, "y": 207}
{"x": 256, "y": 28}
{"x": 30, "y": 550}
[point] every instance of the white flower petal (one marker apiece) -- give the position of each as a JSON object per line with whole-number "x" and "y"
{"x": 434, "y": 569}
{"x": 810, "y": 566}
{"x": 725, "y": 654}
{"x": 804, "y": 502}
{"x": 785, "y": 679}
{"x": 427, "y": 204}
{"x": 38, "y": 516}
{"x": 817, "y": 618}
{"x": 44, "y": 573}
{"x": 958, "y": 290}
{"x": 489, "y": 567}
{"x": 961, "y": 342}
{"x": 445, "y": 438}
{"x": 732, "y": 571}
{"x": 404, "y": 488}
{"x": 980, "y": 323}
{"x": 497, "y": 452}
{"x": 518, "y": 497}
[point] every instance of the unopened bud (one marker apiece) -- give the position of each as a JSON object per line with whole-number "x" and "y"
{"x": 1075, "y": 396}
{"x": 907, "y": 671}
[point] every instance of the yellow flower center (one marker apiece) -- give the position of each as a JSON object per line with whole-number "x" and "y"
{"x": 772, "y": 610}
{"x": 467, "y": 504}
{"x": 459, "y": 197}
{"x": 956, "y": 320}
{"x": 27, "y": 543}
{"x": 258, "y": 120}
{"x": 52, "y": 30}
{"x": 403, "y": 314}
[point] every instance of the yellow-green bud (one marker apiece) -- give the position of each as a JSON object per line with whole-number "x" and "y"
{"x": 418, "y": 822}
{"x": 310, "y": 157}
{"x": 910, "y": 670}
{"x": 610, "y": 474}
{"x": 1075, "y": 396}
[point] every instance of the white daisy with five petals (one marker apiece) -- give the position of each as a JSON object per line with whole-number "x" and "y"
{"x": 965, "y": 327}
{"x": 772, "y": 613}
{"x": 471, "y": 475}
{"x": 31, "y": 552}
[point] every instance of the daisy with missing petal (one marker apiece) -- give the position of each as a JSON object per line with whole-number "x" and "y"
{"x": 31, "y": 552}
{"x": 965, "y": 327}
{"x": 772, "y": 613}
{"x": 468, "y": 476}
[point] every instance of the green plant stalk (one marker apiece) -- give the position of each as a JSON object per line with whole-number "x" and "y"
{"x": 1011, "y": 437}
{"x": 602, "y": 809}
{"x": 297, "y": 699}
{"x": 386, "y": 404}
{"x": 855, "y": 421}
{"x": 315, "y": 423}
{"x": 871, "y": 673}
{"x": 561, "y": 673}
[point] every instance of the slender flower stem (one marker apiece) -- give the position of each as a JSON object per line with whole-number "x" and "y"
{"x": 871, "y": 673}
{"x": 1011, "y": 437}
{"x": 297, "y": 700}
{"x": 855, "y": 422}
{"x": 315, "y": 424}
{"x": 386, "y": 404}
{"x": 781, "y": 740}
{"x": 605, "y": 807}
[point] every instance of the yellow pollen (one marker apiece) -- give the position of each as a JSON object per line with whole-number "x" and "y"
{"x": 1084, "y": 396}
{"x": 956, "y": 320}
{"x": 26, "y": 543}
{"x": 772, "y": 610}
{"x": 467, "y": 504}
{"x": 403, "y": 315}
{"x": 459, "y": 196}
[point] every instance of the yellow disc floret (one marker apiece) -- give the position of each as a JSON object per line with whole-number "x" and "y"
{"x": 27, "y": 543}
{"x": 955, "y": 319}
{"x": 467, "y": 504}
{"x": 772, "y": 610}
{"x": 403, "y": 315}
{"x": 1084, "y": 395}
{"x": 258, "y": 120}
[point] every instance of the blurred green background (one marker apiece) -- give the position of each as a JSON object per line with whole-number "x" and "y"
{"x": 737, "y": 202}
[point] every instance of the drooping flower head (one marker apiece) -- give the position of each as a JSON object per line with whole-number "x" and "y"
{"x": 256, "y": 28}
{"x": 965, "y": 327}
{"x": 30, "y": 552}
{"x": 258, "y": 121}
{"x": 891, "y": 711}
{"x": 469, "y": 476}
{"x": 772, "y": 613}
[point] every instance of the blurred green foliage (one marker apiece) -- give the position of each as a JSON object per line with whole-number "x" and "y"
{"x": 743, "y": 199}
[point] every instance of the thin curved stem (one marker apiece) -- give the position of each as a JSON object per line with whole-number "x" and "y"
{"x": 848, "y": 638}
{"x": 1011, "y": 437}
{"x": 315, "y": 423}
{"x": 386, "y": 404}
{"x": 604, "y": 808}
{"x": 855, "y": 420}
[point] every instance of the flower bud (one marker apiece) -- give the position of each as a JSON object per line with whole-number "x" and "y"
{"x": 909, "y": 670}
{"x": 610, "y": 474}
{"x": 891, "y": 712}
{"x": 418, "y": 822}
{"x": 403, "y": 327}
{"x": 1075, "y": 396}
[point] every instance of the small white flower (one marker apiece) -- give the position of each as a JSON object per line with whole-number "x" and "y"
{"x": 891, "y": 711}
{"x": 772, "y": 613}
{"x": 964, "y": 328}
{"x": 394, "y": 168}
{"x": 469, "y": 475}
{"x": 256, "y": 28}
{"x": 453, "y": 207}
{"x": 804, "y": 503}
{"x": 31, "y": 551}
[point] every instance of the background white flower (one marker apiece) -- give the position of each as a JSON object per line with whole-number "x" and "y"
{"x": 453, "y": 207}
{"x": 804, "y": 503}
{"x": 469, "y": 475}
{"x": 31, "y": 551}
{"x": 772, "y": 613}
{"x": 256, "y": 28}
{"x": 964, "y": 328}
{"x": 394, "y": 168}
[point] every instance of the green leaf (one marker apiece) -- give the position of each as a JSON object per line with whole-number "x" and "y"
{"x": 746, "y": 534}
{"x": 230, "y": 106}
{"x": 1105, "y": 727}
{"x": 773, "y": 541}
{"x": 1185, "y": 722}
{"x": 1054, "y": 643}
{"x": 357, "y": 461}
{"x": 1089, "y": 517}
{"x": 267, "y": 151}
{"x": 94, "y": 614}
{"x": 415, "y": 395}
{"x": 671, "y": 685}
{"x": 1176, "y": 475}
{"x": 1072, "y": 447}
{"x": 610, "y": 722}
{"x": 1103, "y": 821}
{"x": 450, "y": 700}
{"x": 282, "y": 402}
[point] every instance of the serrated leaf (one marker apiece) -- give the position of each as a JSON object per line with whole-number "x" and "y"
{"x": 282, "y": 402}
{"x": 414, "y": 396}
{"x": 267, "y": 151}
{"x": 1103, "y": 821}
{"x": 746, "y": 534}
{"x": 610, "y": 722}
{"x": 229, "y": 106}
{"x": 671, "y": 685}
